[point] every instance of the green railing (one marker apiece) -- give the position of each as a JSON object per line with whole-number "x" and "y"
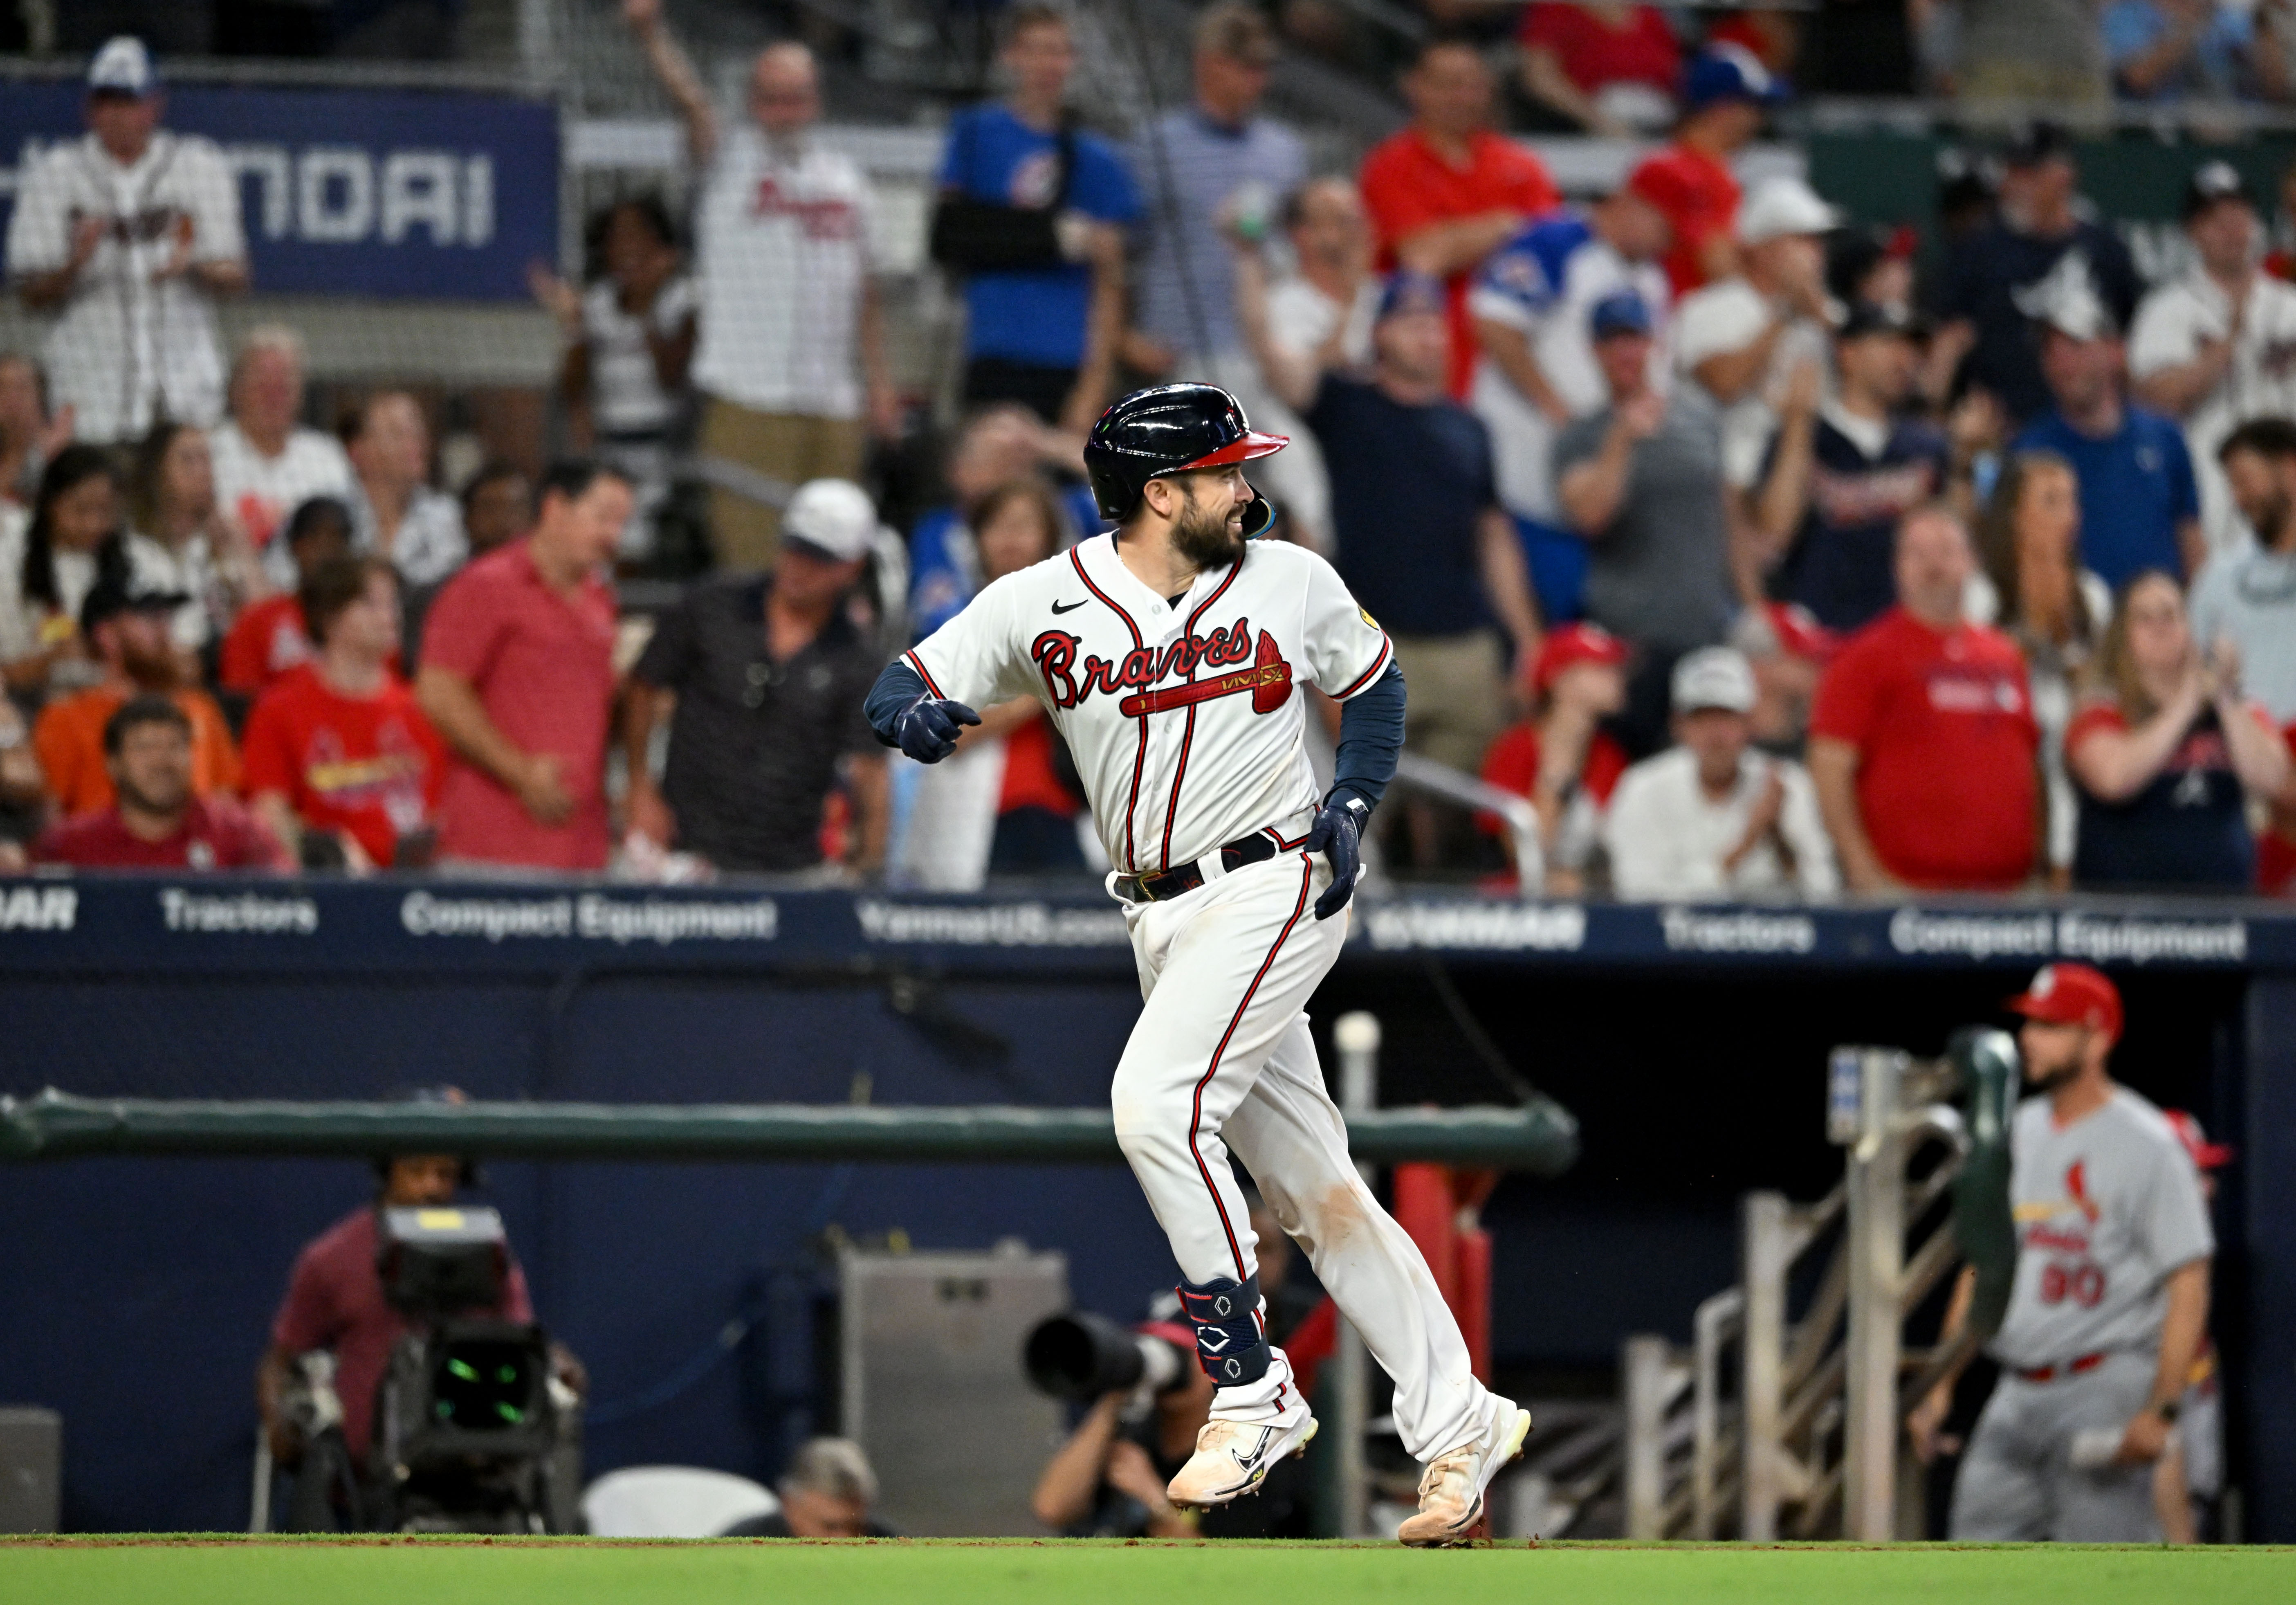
{"x": 1541, "y": 1138}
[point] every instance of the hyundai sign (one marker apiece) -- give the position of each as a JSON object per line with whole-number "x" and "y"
{"x": 354, "y": 191}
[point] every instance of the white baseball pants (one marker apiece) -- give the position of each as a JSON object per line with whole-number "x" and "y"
{"x": 1222, "y": 1060}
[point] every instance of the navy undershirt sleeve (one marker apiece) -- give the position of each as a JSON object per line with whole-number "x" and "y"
{"x": 895, "y": 688}
{"x": 1371, "y": 737}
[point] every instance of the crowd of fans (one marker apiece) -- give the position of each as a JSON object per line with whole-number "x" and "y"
{"x": 1599, "y": 66}
{"x": 1757, "y": 562}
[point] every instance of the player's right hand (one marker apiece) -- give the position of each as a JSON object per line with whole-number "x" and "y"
{"x": 928, "y": 727}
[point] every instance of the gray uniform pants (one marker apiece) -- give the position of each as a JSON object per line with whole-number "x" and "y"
{"x": 2018, "y": 1480}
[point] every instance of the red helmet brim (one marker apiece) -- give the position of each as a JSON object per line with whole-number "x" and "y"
{"x": 1253, "y": 445}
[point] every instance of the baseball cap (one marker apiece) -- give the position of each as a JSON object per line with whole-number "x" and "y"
{"x": 2070, "y": 994}
{"x": 122, "y": 67}
{"x": 1795, "y": 629}
{"x": 2206, "y": 1155}
{"x": 1784, "y": 206}
{"x": 1714, "y": 677}
{"x": 1620, "y": 312}
{"x": 1406, "y": 292}
{"x": 108, "y": 598}
{"x": 1571, "y": 646}
{"x": 1871, "y": 317}
{"x": 833, "y": 518}
{"x": 1965, "y": 178}
{"x": 2211, "y": 182}
{"x": 2039, "y": 142}
{"x": 1726, "y": 73}
{"x": 2073, "y": 309}
{"x": 1854, "y": 252}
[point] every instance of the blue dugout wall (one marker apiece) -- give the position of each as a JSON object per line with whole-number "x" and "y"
{"x": 135, "y": 1295}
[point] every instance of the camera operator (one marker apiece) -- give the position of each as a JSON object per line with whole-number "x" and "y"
{"x": 1108, "y": 1479}
{"x": 336, "y": 1305}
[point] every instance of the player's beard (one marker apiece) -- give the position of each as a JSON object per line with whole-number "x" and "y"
{"x": 152, "y": 668}
{"x": 1204, "y": 538}
{"x": 169, "y": 802}
{"x": 2055, "y": 1075}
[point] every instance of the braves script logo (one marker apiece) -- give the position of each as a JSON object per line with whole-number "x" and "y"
{"x": 1268, "y": 679}
{"x": 829, "y": 219}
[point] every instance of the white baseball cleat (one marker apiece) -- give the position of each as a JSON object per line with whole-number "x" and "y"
{"x": 1233, "y": 1458}
{"x": 1451, "y": 1492}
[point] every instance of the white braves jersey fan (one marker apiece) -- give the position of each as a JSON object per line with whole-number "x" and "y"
{"x": 1185, "y": 716}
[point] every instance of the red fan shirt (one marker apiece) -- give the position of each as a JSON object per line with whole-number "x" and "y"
{"x": 1946, "y": 746}
{"x": 1592, "y": 54}
{"x": 1408, "y": 185}
{"x": 266, "y": 641}
{"x": 217, "y": 834}
{"x": 2276, "y": 844}
{"x": 1698, "y": 196}
{"x": 1512, "y": 764}
{"x": 1030, "y": 780}
{"x": 370, "y": 766}
{"x": 543, "y": 664}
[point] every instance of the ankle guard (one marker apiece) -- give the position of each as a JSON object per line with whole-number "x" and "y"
{"x": 1230, "y": 1345}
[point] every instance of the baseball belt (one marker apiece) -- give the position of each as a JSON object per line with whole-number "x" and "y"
{"x": 1254, "y": 849}
{"x": 2072, "y": 1367}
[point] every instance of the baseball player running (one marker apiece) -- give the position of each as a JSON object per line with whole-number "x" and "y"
{"x": 2110, "y": 1305}
{"x": 1173, "y": 657}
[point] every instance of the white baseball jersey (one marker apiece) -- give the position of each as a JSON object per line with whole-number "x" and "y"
{"x": 127, "y": 346}
{"x": 2105, "y": 1209}
{"x": 1185, "y": 715}
{"x": 263, "y": 492}
{"x": 1544, "y": 282}
{"x": 2261, "y": 382}
{"x": 786, "y": 240}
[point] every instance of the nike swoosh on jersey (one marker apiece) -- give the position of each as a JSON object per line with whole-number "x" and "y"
{"x": 1061, "y": 607}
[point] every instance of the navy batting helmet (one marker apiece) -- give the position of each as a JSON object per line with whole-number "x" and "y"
{"x": 1172, "y": 429}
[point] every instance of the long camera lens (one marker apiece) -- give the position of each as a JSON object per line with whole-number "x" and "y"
{"x": 1081, "y": 1356}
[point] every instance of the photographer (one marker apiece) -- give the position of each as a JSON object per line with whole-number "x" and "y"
{"x": 1108, "y": 1479}
{"x": 336, "y": 1304}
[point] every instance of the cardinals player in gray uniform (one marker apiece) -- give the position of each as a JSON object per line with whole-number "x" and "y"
{"x": 2111, "y": 1302}
{"x": 1173, "y": 657}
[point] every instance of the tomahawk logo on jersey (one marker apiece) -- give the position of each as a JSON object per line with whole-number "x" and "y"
{"x": 1184, "y": 715}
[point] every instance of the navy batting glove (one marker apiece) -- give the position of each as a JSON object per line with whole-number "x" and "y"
{"x": 1337, "y": 833}
{"x": 927, "y": 728}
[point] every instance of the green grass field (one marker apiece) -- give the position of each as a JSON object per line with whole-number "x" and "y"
{"x": 225, "y": 1570}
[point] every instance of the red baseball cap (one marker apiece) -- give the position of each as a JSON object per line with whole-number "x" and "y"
{"x": 1798, "y": 631}
{"x": 1571, "y": 646}
{"x": 2206, "y": 1155}
{"x": 2071, "y": 994}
